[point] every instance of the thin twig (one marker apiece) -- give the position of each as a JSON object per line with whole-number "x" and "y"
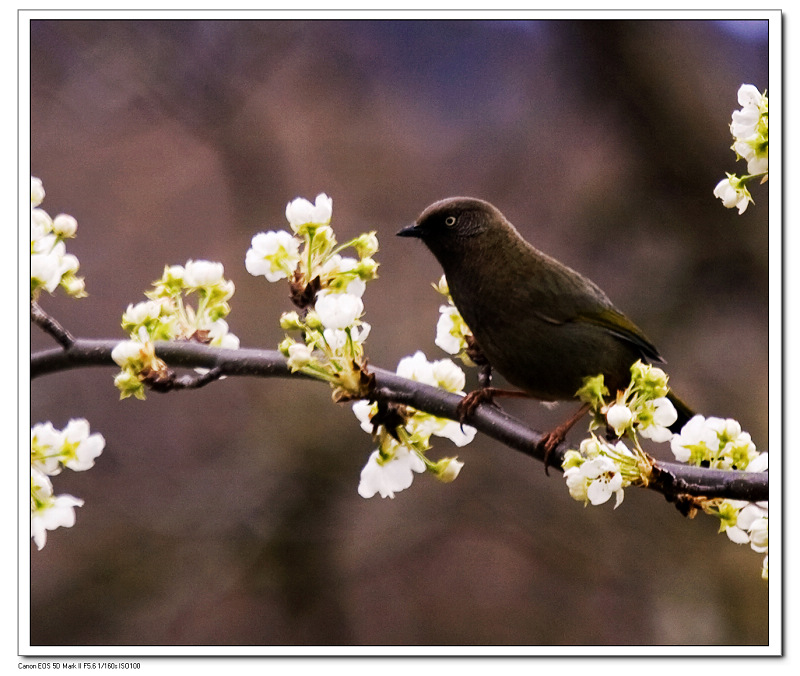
{"x": 50, "y": 326}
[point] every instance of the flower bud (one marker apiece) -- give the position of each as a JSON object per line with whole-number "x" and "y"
{"x": 129, "y": 384}
{"x": 284, "y": 346}
{"x": 366, "y": 245}
{"x": 441, "y": 286}
{"x": 127, "y": 353}
{"x": 367, "y": 269}
{"x": 203, "y": 273}
{"x": 324, "y": 240}
{"x": 447, "y": 469}
{"x": 299, "y": 356}
{"x": 37, "y": 191}
{"x": 65, "y": 225}
{"x": 619, "y": 417}
{"x": 290, "y": 321}
{"x": 74, "y": 286}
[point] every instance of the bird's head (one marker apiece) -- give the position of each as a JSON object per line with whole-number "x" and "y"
{"x": 450, "y": 223}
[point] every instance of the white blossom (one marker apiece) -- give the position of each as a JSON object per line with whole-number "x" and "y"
{"x": 664, "y": 415}
{"x": 458, "y": 433}
{"x": 595, "y": 481}
{"x": 356, "y": 287}
{"x": 37, "y": 191}
{"x": 273, "y": 254}
{"x": 301, "y": 212}
{"x": 695, "y": 433}
{"x": 49, "y": 512}
{"x": 46, "y": 443}
{"x": 299, "y": 355}
{"x": 220, "y": 336}
{"x": 733, "y": 193}
{"x": 750, "y": 130}
{"x": 442, "y": 373}
{"x": 752, "y": 525}
{"x": 366, "y": 245}
{"x": 758, "y": 464}
{"x": 46, "y": 270}
{"x": 81, "y": 448}
{"x": 744, "y": 121}
{"x": 448, "y": 335}
{"x": 719, "y": 442}
{"x": 389, "y": 476}
{"x": 59, "y": 512}
{"x": 364, "y": 410}
{"x": 417, "y": 367}
{"x": 759, "y": 534}
{"x": 336, "y": 264}
{"x": 336, "y": 338}
{"x": 146, "y": 310}
{"x": 203, "y": 273}
{"x": 448, "y": 376}
{"x": 338, "y": 310}
{"x": 51, "y": 265}
{"x": 41, "y": 227}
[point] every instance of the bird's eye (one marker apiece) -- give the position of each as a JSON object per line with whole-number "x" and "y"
{"x": 450, "y": 221}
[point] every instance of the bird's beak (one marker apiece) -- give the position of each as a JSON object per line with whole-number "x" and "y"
{"x": 410, "y": 231}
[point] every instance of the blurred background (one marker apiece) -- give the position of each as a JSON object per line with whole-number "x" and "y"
{"x": 229, "y": 516}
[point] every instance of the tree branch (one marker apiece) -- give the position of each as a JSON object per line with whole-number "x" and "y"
{"x": 678, "y": 482}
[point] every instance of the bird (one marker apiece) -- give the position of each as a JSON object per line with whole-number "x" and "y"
{"x": 537, "y": 322}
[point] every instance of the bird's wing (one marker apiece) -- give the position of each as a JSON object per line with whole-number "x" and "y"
{"x": 579, "y": 300}
{"x": 623, "y": 328}
{"x": 615, "y": 323}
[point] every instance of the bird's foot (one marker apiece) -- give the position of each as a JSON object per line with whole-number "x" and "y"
{"x": 471, "y": 401}
{"x": 484, "y": 395}
{"x": 550, "y": 441}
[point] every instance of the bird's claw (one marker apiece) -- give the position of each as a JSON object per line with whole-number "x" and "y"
{"x": 471, "y": 401}
{"x": 550, "y": 441}
{"x": 548, "y": 444}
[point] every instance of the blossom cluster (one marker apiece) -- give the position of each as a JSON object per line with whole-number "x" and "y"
{"x": 602, "y": 469}
{"x": 746, "y": 523}
{"x": 403, "y": 443}
{"x": 311, "y": 252}
{"x": 73, "y": 447}
{"x": 721, "y": 444}
{"x": 750, "y": 130}
{"x": 51, "y": 265}
{"x": 643, "y": 408}
{"x": 167, "y": 315}
{"x": 327, "y": 289}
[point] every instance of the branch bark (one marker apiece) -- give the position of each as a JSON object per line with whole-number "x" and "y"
{"x": 678, "y": 482}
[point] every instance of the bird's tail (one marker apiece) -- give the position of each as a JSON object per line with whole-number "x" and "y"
{"x": 685, "y": 414}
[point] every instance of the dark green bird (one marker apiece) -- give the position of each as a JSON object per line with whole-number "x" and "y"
{"x": 540, "y": 324}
